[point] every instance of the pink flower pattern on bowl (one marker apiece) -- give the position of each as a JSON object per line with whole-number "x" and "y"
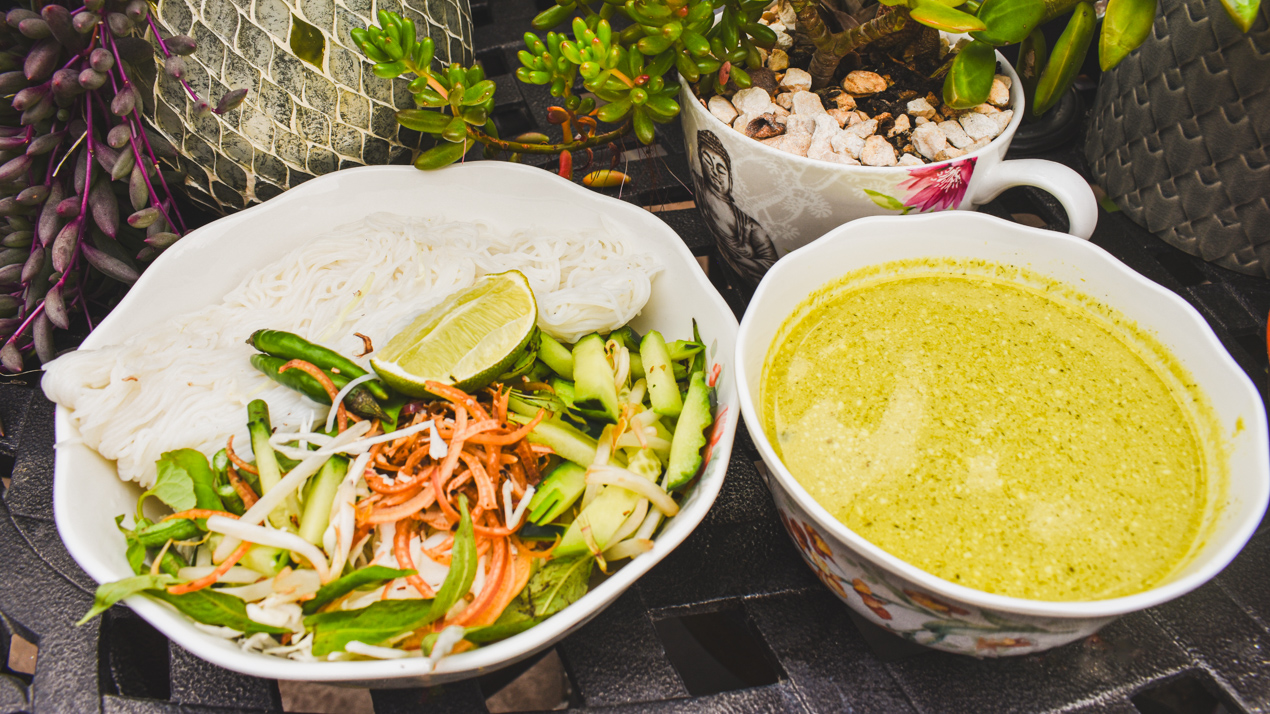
{"x": 938, "y": 186}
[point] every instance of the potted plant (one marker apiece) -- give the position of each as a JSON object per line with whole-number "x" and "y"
{"x": 1177, "y": 136}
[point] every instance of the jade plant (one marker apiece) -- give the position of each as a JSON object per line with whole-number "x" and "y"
{"x": 83, "y": 198}
{"x": 628, "y": 77}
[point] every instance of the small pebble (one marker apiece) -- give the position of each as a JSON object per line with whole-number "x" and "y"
{"x": 878, "y": 152}
{"x": 807, "y": 103}
{"x": 842, "y": 116}
{"x": 1000, "y": 92}
{"x": 722, "y": 109}
{"x": 863, "y": 82}
{"x": 955, "y": 134}
{"x": 921, "y": 108}
{"x": 929, "y": 140}
{"x": 845, "y": 101}
{"x": 796, "y": 80}
{"x": 785, "y": 100}
{"x": 778, "y": 60}
{"x": 864, "y": 128}
{"x": 911, "y": 160}
{"x": 1003, "y": 119}
{"x": 784, "y": 41}
{"x": 901, "y": 125}
{"x": 951, "y": 152}
{"x": 847, "y": 143}
{"x": 978, "y": 145}
{"x": 978, "y": 126}
{"x": 753, "y": 100}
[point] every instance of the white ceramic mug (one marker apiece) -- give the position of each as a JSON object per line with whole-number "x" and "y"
{"x": 762, "y": 203}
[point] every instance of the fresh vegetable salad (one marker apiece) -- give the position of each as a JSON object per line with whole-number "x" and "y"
{"x": 436, "y": 515}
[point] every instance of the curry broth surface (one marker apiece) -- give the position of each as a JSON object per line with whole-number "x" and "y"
{"x": 987, "y": 434}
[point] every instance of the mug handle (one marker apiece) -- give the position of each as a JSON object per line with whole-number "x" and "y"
{"x": 1068, "y": 187}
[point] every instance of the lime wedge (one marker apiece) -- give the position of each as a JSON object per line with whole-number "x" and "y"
{"x": 467, "y": 340}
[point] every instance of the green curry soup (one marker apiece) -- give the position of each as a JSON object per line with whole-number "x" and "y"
{"x": 989, "y": 433}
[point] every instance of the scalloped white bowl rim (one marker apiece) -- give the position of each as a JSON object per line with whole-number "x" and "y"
{"x": 498, "y": 190}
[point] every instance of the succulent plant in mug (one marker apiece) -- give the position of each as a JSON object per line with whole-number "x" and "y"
{"x": 82, "y": 193}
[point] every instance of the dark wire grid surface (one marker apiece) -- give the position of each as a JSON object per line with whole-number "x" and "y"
{"x": 737, "y": 577}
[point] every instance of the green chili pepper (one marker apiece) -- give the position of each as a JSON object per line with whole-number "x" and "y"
{"x": 1125, "y": 25}
{"x": 154, "y": 536}
{"x": 1065, "y": 61}
{"x": 359, "y": 401}
{"x": 291, "y": 346}
{"x": 969, "y": 80}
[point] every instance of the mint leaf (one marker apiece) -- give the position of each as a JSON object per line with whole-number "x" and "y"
{"x": 110, "y": 593}
{"x": 212, "y": 608}
{"x": 373, "y": 575}
{"x": 173, "y": 486}
{"x": 558, "y": 584}
{"x": 332, "y": 631}
{"x": 135, "y": 553}
{"x": 202, "y": 480}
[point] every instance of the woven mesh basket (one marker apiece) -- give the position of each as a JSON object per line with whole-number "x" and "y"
{"x": 302, "y": 117}
{"x": 1180, "y": 132}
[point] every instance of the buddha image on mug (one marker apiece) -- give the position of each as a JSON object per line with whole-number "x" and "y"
{"x": 742, "y": 241}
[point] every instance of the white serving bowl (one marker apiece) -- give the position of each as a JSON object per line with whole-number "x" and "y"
{"x": 918, "y": 605}
{"x": 209, "y": 262}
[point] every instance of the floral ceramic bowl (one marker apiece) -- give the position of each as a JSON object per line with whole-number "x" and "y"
{"x": 926, "y": 609}
{"x": 761, "y": 202}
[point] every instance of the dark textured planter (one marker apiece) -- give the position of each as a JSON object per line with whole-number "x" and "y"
{"x": 304, "y": 115}
{"x": 1180, "y": 134}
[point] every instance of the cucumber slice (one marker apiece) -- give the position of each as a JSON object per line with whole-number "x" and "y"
{"x": 556, "y": 356}
{"x": 593, "y": 381}
{"x": 685, "y": 448}
{"x": 557, "y": 493}
{"x": 662, "y": 390}
{"x": 602, "y": 517}
{"x": 568, "y": 442}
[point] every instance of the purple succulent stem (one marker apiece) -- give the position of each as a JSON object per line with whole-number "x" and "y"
{"x": 26, "y": 323}
{"x": 164, "y": 47}
{"x": 135, "y": 126}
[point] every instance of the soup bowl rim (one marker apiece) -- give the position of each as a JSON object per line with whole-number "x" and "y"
{"x": 1213, "y": 557}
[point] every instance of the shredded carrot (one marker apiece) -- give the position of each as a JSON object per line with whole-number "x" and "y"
{"x": 513, "y": 437}
{"x": 401, "y": 548}
{"x": 521, "y": 568}
{"x": 237, "y": 460}
{"x": 242, "y": 488}
{"x": 425, "y": 498}
{"x": 458, "y": 397}
{"x": 316, "y": 372}
{"x": 528, "y": 461}
{"x": 447, "y": 466}
{"x": 213, "y": 576}
{"x": 486, "y": 498}
{"x": 197, "y": 513}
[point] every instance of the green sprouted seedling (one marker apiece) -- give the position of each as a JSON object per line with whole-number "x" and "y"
{"x": 623, "y": 75}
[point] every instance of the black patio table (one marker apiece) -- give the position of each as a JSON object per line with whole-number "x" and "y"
{"x": 732, "y": 620}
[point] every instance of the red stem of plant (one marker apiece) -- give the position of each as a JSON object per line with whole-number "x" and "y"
{"x": 136, "y": 129}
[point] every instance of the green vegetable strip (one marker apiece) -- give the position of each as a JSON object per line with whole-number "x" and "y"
{"x": 317, "y": 505}
{"x": 462, "y": 566}
{"x": 267, "y": 463}
{"x": 556, "y": 356}
{"x": 373, "y": 575}
{"x": 264, "y": 559}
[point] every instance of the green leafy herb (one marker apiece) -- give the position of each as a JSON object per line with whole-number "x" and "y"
{"x": 202, "y": 478}
{"x": 136, "y": 553}
{"x": 110, "y": 593}
{"x": 462, "y": 565}
{"x": 173, "y": 486}
{"x": 212, "y": 608}
{"x": 374, "y": 575}
{"x": 558, "y": 584}
{"x": 332, "y": 631}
